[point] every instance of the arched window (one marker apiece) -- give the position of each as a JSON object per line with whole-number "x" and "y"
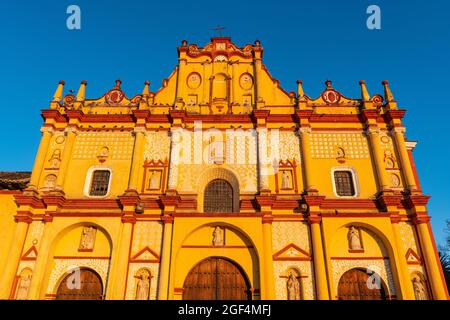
{"x": 218, "y": 196}
{"x": 343, "y": 181}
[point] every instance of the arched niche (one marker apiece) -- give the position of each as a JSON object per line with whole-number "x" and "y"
{"x": 376, "y": 255}
{"x": 213, "y": 174}
{"x": 199, "y": 245}
{"x": 67, "y": 254}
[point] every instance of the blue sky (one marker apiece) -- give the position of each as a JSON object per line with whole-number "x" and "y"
{"x": 309, "y": 40}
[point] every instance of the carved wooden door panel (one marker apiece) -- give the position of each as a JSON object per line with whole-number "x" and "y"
{"x": 216, "y": 279}
{"x": 353, "y": 286}
{"x": 90, "y": 287}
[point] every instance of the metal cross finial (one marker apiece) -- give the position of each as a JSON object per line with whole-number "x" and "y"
{"x": 219, "y": 29}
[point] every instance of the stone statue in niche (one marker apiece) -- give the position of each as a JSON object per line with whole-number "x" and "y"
{"x": 88, "y": 238}
{"x": 24, "y": 286}
{"x": 293, "y": 287}
{"x": 354, "y": 239}
{"x": 218, "y": 236}
{"x": 154, "y": 180}
{"x": 286, "y": 180}
{"x": 419, "y": 290}
{"x": 143, "y": 287}
{"x": 55, "y": 160}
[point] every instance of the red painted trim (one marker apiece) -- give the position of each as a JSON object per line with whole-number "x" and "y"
{"x": 355, "y": 130}
{"x": 81, "y": 257}
{"x": 27, "y": 253}
{"x": 277, "y": 256}
{"x": 216, "y": 247}
{"x": 356, "y": 251}
{"x": 436, "y": 254}
{"x": 12, "y": 293}
{"x": 13, "y": 192}
{"x": 348, "y": 204}
{"x": 411, "y": 252}
{"x": 357, "y": 215}
{"x": 218, "y": 215}
{"x": 87, "y": 214}
{"x": 146, "y": 249}
{"x": 359, "y": 258}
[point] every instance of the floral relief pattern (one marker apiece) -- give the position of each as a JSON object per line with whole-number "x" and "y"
{"x": 285, "y": 233}
{"x": 157, "y": 146}
{"x": 407, "y": 235}
{"x": 147, "y": 234}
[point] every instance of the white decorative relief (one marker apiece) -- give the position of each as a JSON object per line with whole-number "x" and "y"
{"x": 157, "y": 146}
{"x": 147, "y": 234}
{"x": 289, "y": 146}
{"x": 285, "y": 233}
{"x": 407, "y": 235}
{"x": 88, "y": 144}
{"x": 63, "y": 266}
{"x": 381, "y": 267}
{"x": 325, "y": 145}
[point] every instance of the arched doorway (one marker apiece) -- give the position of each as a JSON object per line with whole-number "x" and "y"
{"x": 216, "y": 278}
{"x": 218, "y": 196}
{"x": 90, "y": 286}
{"x": 353, "y": 285}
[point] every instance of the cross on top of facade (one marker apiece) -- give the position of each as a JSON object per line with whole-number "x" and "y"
{"x": 219, "y": 30}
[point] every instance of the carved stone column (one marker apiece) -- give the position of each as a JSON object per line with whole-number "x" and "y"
{"x": 47, "y": 133}
{"x": 163, "y": 285}
{"x": 175, "y": 148}
{"x": 66, "y": 156}
{"x": 23, "y": 220}
{"x": 138, "y": 153}
{"x": 373, "y": 132}
{"x": 430, "y": 256}
{"x": 263, "y": 160}
{"x": 305, "y": 145}
{"x": 399, "y": 138}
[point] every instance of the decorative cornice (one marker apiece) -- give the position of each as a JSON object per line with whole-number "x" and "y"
{"x": 412, "y": 201}
{"x": 130, "y": 198}
{"x": 167, "y": 218}
{"x": 419, "y": 218}
{"x": 390, "y": 115}
{"x": 314, "y": 217}
{"x": 128, "y": 218}
{"x": 267, "y": 218}
{"x": 31, "y": 200}
{"x": 313, "y": 200}
{"x": 24, "y": 216}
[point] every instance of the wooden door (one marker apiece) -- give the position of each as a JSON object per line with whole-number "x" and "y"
{"x": 90, "y": 287}
{"x": 353, "y": 286}
{"x": 216, "y": 279}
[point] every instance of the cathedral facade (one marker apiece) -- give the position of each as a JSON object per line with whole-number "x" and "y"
{"x": 220, "y": 185}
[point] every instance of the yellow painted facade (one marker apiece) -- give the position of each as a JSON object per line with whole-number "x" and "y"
{"x": 220, "y": 116}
